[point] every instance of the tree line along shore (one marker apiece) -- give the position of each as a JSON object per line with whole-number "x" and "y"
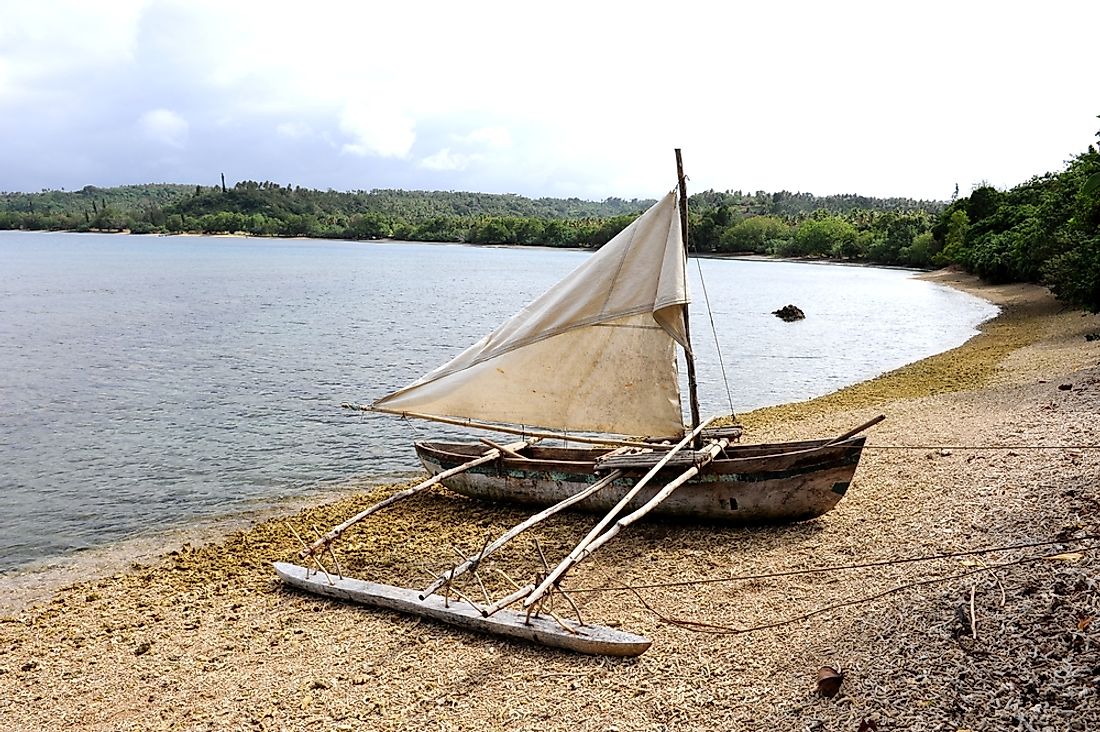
{"x": 1045, "y": 230}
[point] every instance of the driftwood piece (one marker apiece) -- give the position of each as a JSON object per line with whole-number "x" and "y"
{"x": 973, "y": 615}
{"x": 335, "y": 532}
{"x": 591, "y": 639}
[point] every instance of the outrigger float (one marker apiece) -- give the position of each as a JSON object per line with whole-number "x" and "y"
{"x": 595, "y": 355}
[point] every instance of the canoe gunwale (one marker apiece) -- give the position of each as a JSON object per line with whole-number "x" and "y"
{"x": 827, "y": 450}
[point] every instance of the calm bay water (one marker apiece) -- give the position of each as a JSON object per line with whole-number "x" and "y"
{"x": 150, "y": 381}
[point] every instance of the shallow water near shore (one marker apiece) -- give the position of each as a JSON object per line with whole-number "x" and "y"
{"x": 153, "y": 381}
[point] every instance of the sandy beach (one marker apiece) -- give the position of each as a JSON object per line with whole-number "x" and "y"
{"x": 993, "y": 444}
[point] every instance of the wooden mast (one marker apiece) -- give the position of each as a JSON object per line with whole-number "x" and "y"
{"x": 689, "y": 356}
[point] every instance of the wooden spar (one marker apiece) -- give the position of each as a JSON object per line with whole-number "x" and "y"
{"x": 689, "y": 356}
{"x": 507, "y": 430}
{"x": 519, "y": 528}
{"x": 578, "y": 550}
{"x": 856, "y": 430}
{"x": 335, "y": 532}
{"x": 709, "y": 453}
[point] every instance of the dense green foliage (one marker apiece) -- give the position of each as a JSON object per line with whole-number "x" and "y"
{"x": 1045, "y": 230}
{"x": 758, "y": 222}
{"x": 883, "y": 231}
{"x": 268, "y": 209}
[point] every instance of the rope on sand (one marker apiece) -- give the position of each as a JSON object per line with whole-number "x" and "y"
{"x": 705, "y": 627}
{"x": 717, "y": 629}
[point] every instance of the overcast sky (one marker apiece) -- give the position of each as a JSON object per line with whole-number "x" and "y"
{"x": 558, "y": 98}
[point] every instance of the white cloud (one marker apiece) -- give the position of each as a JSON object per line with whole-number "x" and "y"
{"x": 42, "y": 38}
{"x": 382, "y": 132}
{"x": 293, "y": 130}
{"x": 498, "y": 137}
{"x": 807, "y": 96}
{"x": 447, "y": 160}
{"x": 165, "y": 127}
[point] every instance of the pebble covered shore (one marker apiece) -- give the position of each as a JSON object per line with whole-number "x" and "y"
{"x": 204, "y": 637}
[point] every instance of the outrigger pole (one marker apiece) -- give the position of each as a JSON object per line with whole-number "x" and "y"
{"x": 323, "y": 542}
{"x": 580, "y": 550}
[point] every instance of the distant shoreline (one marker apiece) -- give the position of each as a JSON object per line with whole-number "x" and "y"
{"x": 739, "y": 256}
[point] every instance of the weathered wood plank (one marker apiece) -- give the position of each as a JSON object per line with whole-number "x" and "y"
{"x": 590, "y": 639}
{"x": 646, "y": 460}
{"x": 731, "y": 432}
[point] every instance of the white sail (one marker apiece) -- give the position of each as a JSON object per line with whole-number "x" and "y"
{"x": 594, "y": 353}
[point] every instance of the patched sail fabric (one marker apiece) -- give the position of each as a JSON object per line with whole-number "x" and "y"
{"x": 595, "y": 353}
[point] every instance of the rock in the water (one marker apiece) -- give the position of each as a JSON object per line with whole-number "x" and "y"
{"x": 789, "y": 313}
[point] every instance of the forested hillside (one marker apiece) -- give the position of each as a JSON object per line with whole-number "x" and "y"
{"x": 269, "y": 209}
{"x": 1044, "y": 230}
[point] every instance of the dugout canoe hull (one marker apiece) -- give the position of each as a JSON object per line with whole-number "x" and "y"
{"x": 748, "y": 484}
